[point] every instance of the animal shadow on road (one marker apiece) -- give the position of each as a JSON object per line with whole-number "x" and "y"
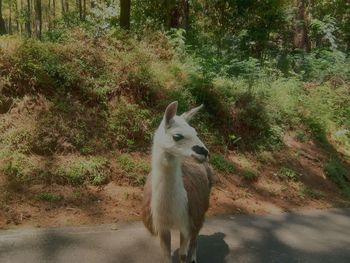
{"x": 211, "y": 248}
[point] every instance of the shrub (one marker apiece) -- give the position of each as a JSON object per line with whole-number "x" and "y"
{"x": 312, "y": 192}
{"x": 131, "y": 126}
{"x": 220, "y": 163}
{"x": 249, "y": 175}
{"x": 288, "y": 173}
{"x": 337, "y": 172}
{"x": 49, "y": 197}
{"x": 135, "y": 171}
{"x": 84, "y": 170}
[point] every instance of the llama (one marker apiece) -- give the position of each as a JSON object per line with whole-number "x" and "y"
{"x": 176, "y": 193}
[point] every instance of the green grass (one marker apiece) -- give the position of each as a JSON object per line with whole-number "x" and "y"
{"x": 337, "y": 172}
{"x": 49, "y": 197}
{"x": 88, "y": 169}
{"x": 220, "y": 163}
{"x": 288, "y": 173}
{"x": 315, "y": 194}
{"x": 300, "y": 135}
{"x": 249, "y": 174}
{"x": 135, "y": 170}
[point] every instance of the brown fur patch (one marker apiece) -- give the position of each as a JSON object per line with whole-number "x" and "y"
{"x": 198, "y": 179}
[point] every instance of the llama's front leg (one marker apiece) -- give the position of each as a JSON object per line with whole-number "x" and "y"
{"x": 192, "y": 251}
{"x": 184, "y": 239}
{"x": 165, "y": 244}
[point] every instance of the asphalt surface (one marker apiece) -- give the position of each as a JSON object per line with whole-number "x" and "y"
{"x": 314, "y": 236}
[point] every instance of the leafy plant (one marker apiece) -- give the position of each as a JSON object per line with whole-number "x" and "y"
{"x": 49, "y": 197}
{"x": 249, "y": 174}
{"x": 136, "y": 171}
{"x": 131, "y": 126}
{"x": 288, "y": 173}
{"x": 223, "y": 165}
{"x": 85, "y": 170}
{"x": 337, "y": 172}
{"x": 307, "y": 191}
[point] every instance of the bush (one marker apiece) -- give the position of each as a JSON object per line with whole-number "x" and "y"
{"x": 337, "y": 172}
{"x": 288, "y": 173}
{"x": 135, "y": 171}
{"x": 131, "y": 126}
{"x": 223, "y": 165}
{"x": 249, "y": 175}
{"x": 316, "y": 65}
{"x": 312, "y": 193}
{"x": 49, "y": 197}
{"x": 89, "y": 169}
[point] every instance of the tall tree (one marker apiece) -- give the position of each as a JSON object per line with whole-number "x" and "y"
{"x": 2, "y": 21}
{"x": 125, "y": 6}
{"x": 28, "y": 19}
{"x": 80, "y": 5}
{"x": 54, "y": 9}
{"x": 179, "y": 13}
{"x": 38, "y": 18}
{"x": 10, "y": 17}
{"x": 84, "y": 9}
{"x": 301, "y": 36}
{"x": 62, "y": 7}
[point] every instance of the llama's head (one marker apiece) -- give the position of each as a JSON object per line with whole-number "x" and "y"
{"x": 176, "y": 137}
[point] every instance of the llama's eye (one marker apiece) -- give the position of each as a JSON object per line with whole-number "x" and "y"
{"x": 178, "y": 137}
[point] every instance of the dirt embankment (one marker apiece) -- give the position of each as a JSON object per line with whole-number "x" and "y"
{"x": 290, "y": 179}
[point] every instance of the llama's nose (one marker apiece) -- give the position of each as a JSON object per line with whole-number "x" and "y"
{"x": 200, "y": 150}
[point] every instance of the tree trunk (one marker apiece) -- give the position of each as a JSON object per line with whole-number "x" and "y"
{"x": 179, "y": 14}
{"x": 84, "y": 9}
{"x": 80, "y": 9}
{"x": 10, "y": 19}
{"x": 49, "y": 14}
{"x": 18, "y": 7}
{"x": 2, "y": 21}
{"x": 54, "y": 9}
{"x": 28, "y": 26}
{"x": 38, "y": 19}
{"x": 125, "y": 6}
{"x": 62, "y": 7}
{"x": 301, "y": 36}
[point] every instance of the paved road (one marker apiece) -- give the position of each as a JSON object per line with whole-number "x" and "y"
{"x": 314, "y": 236}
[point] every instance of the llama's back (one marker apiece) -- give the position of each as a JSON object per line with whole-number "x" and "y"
{"x": 197, "y": 182}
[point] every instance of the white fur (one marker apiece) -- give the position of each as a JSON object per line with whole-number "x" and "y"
{"x": 169, "y": 203}
{"x": 169, "y": 197}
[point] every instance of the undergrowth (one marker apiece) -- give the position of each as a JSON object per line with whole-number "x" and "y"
{"x": 58, "y": 99}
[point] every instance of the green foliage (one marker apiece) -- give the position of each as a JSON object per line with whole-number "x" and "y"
{"x": 300, "y": 135}
{"x": 316, "y": 65}
{"x": 249, "y": 174}
{"x": 15, "y": 165}
{"x": 325, "y": 109}
{"x": 235, "y": 57}
{"x": 315, "y": 194}
{"x": 49, "y": 197}
{"x": 288, "y": 173}
{"x": 131, "y": 126}
{"x": 223, "y": 165}
{"x": 136, "y": 171}
{"x": 339, "y": 174}
{"x": 88, "y": 169}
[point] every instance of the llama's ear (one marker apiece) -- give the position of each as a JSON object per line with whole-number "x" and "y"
{"x": 188, "y": 115}
{"x": 170, "y": 113}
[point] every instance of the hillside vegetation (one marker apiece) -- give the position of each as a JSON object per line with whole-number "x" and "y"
{"x": 78, "y": 110}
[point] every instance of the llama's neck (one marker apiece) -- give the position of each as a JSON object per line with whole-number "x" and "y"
{"x": 169, "y": 197}
{"x": 166, "y": 170}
